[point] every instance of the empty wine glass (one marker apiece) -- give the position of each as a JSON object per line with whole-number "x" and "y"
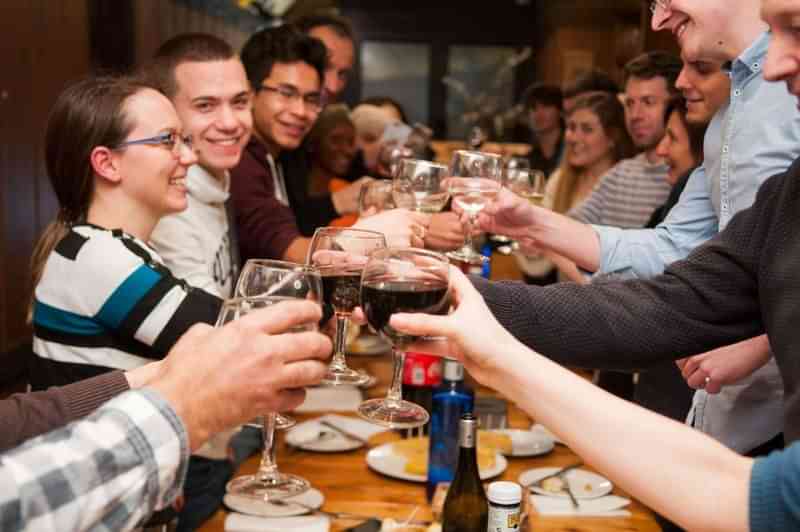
{"x": 401, "y": 280}
{"x": 262, "y": 277}
{"x": 389, "y": 155}
{"x": 474, "y": 183}
{"x": 268, "y": 483}
{"x": 419, "y": 185}
{"x": 339, "y": 255}
{"x": 374, "y": 197}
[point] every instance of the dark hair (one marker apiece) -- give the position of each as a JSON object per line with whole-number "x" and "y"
{"x": 199, "y": 47}
{"x": 655, "y": 64}
{"x": 380, "y": 101}
{"x": 87, "y": 114}
{"x": 589, "y": 81}
{"x": 284, "y": 44}
{"x": 696, "y": 132}
{"x": 340, "y": 25}
{"x": 544, "y": 94}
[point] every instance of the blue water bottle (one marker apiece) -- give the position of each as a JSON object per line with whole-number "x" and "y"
{"x": 450, "y": 400}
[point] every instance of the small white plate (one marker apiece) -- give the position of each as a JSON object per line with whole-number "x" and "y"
{"x": 383, "y": 460}
{"x": 584, "y": 484}
{"x": 527, "y": 443}
{"x": 307, "y": 437}
{"x": 249, "y": 506}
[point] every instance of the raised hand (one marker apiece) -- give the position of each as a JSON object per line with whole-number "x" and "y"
{"x": 401, "y": 227}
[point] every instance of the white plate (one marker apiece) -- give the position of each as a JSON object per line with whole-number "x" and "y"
{"x": 584, "y": 484}
{"x": 247, "y": 505}
{"x": 306, "y": 437}
{"x": 527, "y": 443}
{"x": 383, "y": 460}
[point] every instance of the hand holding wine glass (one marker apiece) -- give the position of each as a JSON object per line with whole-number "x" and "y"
{"x": 474, "y": 182}
{"x": 401, "y": 280}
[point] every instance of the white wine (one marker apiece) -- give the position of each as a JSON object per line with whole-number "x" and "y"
{"x": 473, "y": 201}
{"x": 528, "y": 193}
{"x": 466, "y": 508}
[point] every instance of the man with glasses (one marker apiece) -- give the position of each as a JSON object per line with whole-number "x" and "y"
{"x": 285, "y": 68}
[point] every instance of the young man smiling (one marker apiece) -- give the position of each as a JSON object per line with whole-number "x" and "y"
{"x": 285, "y": 68}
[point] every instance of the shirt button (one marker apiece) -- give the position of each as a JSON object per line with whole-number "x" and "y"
{"x": 756, "y": 65}
{"x": 737, "y": 92}
{"x": 725, "y": 149}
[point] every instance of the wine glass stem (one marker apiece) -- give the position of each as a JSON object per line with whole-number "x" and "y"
{"x": 338, "y": 361}
{"x": 468, "y": 232}
{"x": 268, "y": 468}
{"x": 395, "y": 393}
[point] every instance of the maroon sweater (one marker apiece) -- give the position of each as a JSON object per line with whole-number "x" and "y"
{"x": 265, "y": 226}
{"x": 25, "y": 415}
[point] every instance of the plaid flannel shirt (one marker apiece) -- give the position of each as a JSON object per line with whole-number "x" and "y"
{"x": 109, "y": 471}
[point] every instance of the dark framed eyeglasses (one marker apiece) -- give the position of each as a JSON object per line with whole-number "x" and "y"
{"x": 313, "y": 100}
{"x": 170, "y": 140}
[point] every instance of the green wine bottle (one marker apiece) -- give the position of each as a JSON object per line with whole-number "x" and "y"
{"x": 465, "y": 507}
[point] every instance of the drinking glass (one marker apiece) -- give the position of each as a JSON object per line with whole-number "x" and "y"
{"x": 401, "y": 280}
{"x": 512, "y": 164}
{"x": 389, "y": 155}
{"x": 528, "y": 184}
{"x": 339, "y": 255}
{"x": 262, "y": 277}
{"x": 374, "y": 197}
{"x": 419, "y": 185}
{"x": 268, "y": 483}
{"x": 474, "y": 182}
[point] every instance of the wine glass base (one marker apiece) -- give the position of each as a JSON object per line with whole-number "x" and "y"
{"x": 276, "y": 487}
{"x": 284, "y": 422}
{"x": 469, "y": 257}
{"x": 345, "y": 377}
{"x": 393, "y": 414}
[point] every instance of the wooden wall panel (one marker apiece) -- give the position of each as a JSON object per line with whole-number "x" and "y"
{"x": 46, "y": 45}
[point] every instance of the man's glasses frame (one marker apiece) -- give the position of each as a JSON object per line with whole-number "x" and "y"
{"x": 313, "y": 100}
{"x": 169, "y": 140}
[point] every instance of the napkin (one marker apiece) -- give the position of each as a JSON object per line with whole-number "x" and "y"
{"x": 236, "y": 522}
{"x": 544, "y": 431}
{"x": 327, "y": 398}
{"x": 359, "y": 427}
{"x": 606, "y": 506}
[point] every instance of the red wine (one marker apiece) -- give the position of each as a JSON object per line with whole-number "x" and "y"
{"x": 340, "y": 289}
{"x": 380, "y": 299}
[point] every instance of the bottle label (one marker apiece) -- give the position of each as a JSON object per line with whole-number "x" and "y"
{"x": 503, "y": 519}
{"x": 420, "y": 369}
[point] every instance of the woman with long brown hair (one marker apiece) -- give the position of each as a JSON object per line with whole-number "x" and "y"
{"x": 595, "y": 140}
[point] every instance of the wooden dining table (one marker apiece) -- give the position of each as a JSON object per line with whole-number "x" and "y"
{"x": 349, "y": 485}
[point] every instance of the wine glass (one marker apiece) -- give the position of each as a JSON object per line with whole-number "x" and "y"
{"x": 419, "y": 185}
{"x": 339, "y": 255}
{"x": 374, "y": 197}
{"x": 401, "y": 280}
{"x": 474, "y": 183}
{"x": 389, "y": 155}
{"x": 527, "y": 183}
{"x": 269, "y": 484}
{"x": 262, "y": 277}
{"x": 512, "y": 164}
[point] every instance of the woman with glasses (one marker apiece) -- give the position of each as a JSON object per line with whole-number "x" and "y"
{"x": 103, "y": 300}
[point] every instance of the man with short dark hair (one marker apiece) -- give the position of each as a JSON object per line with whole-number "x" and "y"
{"x": 544, "y": 106}
{"x": 337, "y": 35}
{"x": 588, "y": 81}
{"x": 285, "y": 68}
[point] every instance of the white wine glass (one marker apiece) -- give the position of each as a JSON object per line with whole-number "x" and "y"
{"x": 401, "y": 280}
{"x": 528, "y": 184}
{"x": 339, "y": 255}
{"x": 268, "y": 483}
{"x": 419, "y": 185}
{"x": 475, "y": 181}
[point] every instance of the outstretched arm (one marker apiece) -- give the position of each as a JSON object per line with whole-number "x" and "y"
{"x": 670, "y": 467}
